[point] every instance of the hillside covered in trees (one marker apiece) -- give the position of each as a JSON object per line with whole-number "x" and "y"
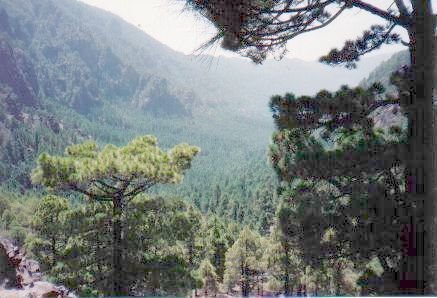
{"x": 127, "y": 168}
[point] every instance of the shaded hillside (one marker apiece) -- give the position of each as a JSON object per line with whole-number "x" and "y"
{"x": 383, "y": 71}
{"x": 74, "y": 63}
{"x": 66, "y": 77}
{"x": 386, "y": 68}
{"x": 234, "y": 84}
{"x": 248, "y": 87}
{"x": 71, "y": 71}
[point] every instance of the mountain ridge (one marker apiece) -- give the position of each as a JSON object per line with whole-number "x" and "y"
{"x": 102, "y": 78}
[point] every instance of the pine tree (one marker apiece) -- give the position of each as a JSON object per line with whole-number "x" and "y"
{"x": 333, "y": 185}
{"x": 49, "y": 222}
{"x": 258, "y": 28}
{"x": 114, "y": 175}
{"x": 209, "y": 278}
{"x": 243, "y": 262}
{"x": 217, "y": 245}
{"x": 283, "y": 261}
{"x": 72, "y": 244}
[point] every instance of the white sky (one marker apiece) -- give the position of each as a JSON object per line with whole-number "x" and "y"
{"x": 185, "y": 31}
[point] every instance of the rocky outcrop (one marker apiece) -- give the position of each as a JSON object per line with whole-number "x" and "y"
{"x": 387, "y": 116}
{"x": 18, "y": 74}
{"x": 21, "y": 277}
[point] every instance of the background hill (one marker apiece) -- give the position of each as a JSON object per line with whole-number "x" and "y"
{"x": 71, "y": 72}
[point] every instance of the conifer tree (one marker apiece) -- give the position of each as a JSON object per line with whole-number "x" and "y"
{"x": 282, "y": 260}
{"x": 255, "y": 28}
{"x": 114, "y": 175}
{"x": 348, "y": 189}
{"x": 209, "y": 278}
{"x": 72, "y": 244}
{"x": 49, "y": 223}
{"x": 157, "y": 233}
{"x": 244, "y": 262}
{"x": 217, "y": 245}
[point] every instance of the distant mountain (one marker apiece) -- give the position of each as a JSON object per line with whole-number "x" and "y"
{"x": 84, "y": 56}
{"x": 77, "y": 63}
{"x": 385, "y": 69}
{"x": 249, "y": 87}
{"x": 70, "y": 71}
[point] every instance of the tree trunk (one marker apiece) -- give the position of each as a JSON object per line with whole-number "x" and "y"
{"x": 262, "y": 285}
{"x": 299, "y": 290}
{"x": 54, "y": 252}
{"x": 287, "y": 266}
{"x": 425, "y": 58}
{"x": 98, "y": 256}
{"x": 257, "y": 285}
{"x": 245, "y": 282}
{"x": 117, "y": 246}
{"x": 420, "y": 171}
{"x": 286, "y": 284}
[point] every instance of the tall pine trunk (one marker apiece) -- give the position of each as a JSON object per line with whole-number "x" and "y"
{"x": 287, "y": 273}
{"x": 425, "y": 61}
{"x": 417, "y": 270}
{"x": 117, "y": 247}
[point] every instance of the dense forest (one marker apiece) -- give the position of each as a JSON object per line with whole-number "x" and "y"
{"x": 127, "y": 168}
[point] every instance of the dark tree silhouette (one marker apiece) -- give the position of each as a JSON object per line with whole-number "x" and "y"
{"x": 255, "y": 28}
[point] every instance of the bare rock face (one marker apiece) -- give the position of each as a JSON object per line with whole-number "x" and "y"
{"x": 18, "y": 73}
{"x": 387, "y": 116}
{"x": 21, "y": 277}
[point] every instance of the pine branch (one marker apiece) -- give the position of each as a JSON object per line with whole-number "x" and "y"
{"x": 378, "y": 12}
{"x": 402, "y": 7}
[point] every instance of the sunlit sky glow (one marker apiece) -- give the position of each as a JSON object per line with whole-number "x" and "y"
{"x": 185, "y": 31}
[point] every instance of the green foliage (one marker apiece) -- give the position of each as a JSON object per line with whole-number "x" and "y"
{"x": 282, "y": 261}
{"x": 209, "y": 278}
{"x": 217, "y": 241}
{"x": 16, "y": 217}
{"x": 340, "y": 192}
{"x": 116, "y": 175}
{"x": 49, "y": 221}
{"x": 243, "y": 262}
{"x": 156, "y": 253}
{"x": 139, "y": 162}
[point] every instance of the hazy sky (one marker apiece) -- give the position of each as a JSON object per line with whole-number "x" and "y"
{"x": 185, "y": 31}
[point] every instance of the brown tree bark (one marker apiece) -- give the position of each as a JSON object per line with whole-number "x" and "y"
{"x": 416, "y": 271}
{"x": 117, "y": 247}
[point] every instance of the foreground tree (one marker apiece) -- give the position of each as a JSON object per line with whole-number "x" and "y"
{"x": 156, "y": 261}
{"x": 244, "y": 262}
{"x": 115, "y": 175}
{"x": 72, "y": 243}
{"x": 348, "y": 198}
{"x": 282, "y": 260}
{"x": 217, "y": 244}
{"x": 209, "y": 278}
{"x": 49, "y": 223}
{"x": 255, "y": 28}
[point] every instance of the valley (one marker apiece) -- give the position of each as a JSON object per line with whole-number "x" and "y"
{"x": 71, "y": 73}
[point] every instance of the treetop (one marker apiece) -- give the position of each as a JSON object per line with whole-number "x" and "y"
{"x": 140, "y": 160}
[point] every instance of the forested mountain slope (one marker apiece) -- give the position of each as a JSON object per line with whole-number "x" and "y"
{"x": 383, "y": 71}
{"x": 71, "y": 72}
